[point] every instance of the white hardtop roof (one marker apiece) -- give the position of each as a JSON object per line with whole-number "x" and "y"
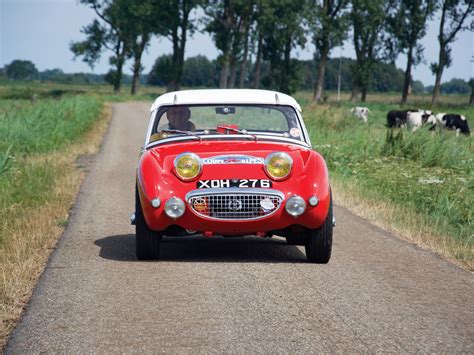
{"x": 225, "y": 96}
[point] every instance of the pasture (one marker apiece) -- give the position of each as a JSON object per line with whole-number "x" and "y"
{"x": 420, "y": 183}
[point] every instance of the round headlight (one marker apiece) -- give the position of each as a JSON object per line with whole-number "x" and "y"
{"x": 278, "y": 165}
{"x": 174, "y": 207}
{"x": 188, "y": 166}
{"x": 295, "y": 206}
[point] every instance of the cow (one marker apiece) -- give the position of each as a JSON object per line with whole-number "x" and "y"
{"x": 361, "y": 113}
{"x": 417, "y": 119}
{"x": 400, "y": 118}
{"x": 453, "y": 121}
{"x": 397, "y": 118}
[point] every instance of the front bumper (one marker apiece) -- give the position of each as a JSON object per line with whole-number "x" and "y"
{"x": 239, "y": 211}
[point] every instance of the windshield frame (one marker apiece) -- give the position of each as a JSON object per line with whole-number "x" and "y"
{"x": 267, "y": 135}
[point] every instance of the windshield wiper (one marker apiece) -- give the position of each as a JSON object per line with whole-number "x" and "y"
{"x": 177, "y": 131}
{"x": 240, "y": 131}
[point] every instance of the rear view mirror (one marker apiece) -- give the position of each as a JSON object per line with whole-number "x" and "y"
{"x": 226, "y": 110}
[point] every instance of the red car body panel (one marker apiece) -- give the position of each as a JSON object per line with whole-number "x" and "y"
{"x": 156, "y": 178}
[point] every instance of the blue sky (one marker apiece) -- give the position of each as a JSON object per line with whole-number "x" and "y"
{"x": 41, "y": 30}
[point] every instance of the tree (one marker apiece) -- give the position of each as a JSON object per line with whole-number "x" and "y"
{"x": 113, "y": 33}
{"x": 223, "y": 25}
{"x": 408, "y": 26}
{"x": 258, "y": 24}
{"x": 199, "y": 71}
{"x": 143, "y": 23}
{"x": 177, "y": 26}
{"x": 161, "y": 72}
{"x": 453, "y": 16}
{"x": 455, "y": 86}
{"x": 21, "y": 70}
{"x": 329, "y": 25}
{"x": 283, "y": 30}
{"x": 368, "y": 19}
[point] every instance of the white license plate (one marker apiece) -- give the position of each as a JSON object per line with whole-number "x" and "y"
{"x": 224, "y": 183}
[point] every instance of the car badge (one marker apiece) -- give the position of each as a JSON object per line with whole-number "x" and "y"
{"x": 235, "y": 205}
{"x": 200, "y": 205}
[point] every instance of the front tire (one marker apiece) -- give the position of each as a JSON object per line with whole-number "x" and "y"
{"x": 147, "y": 240}
{"x": 319, "y": 242}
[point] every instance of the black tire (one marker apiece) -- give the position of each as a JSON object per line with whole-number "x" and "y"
{"x": 319, "y": 243}
{"x": 296, "y": 239}
{"x": 147, "y": 240}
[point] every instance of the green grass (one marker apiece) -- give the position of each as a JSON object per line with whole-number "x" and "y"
{"x": 45, "y": 125}
{"x": 430, "y": 175}
{"x": 29, "y": 132}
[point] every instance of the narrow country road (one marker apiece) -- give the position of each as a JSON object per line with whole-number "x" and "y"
{"x": 250, "y": 295}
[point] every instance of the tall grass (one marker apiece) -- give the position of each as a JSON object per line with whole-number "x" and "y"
{"x": 45, "y": 125}
{"x": 423, "y": 173}
{"x": 29, "y": 133}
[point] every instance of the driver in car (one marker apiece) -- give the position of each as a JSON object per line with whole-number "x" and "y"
{"x": 178, "y": 118}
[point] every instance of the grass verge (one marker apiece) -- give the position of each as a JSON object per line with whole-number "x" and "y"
{"x": 418, "y": 184}
{"x": 38, "y": 185}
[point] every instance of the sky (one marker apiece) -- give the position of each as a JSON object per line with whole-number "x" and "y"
{"x": 41, "y": 31}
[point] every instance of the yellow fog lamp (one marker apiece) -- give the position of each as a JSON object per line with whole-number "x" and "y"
{"x": 278, "y": 165}
{"x": 187, "y": 166}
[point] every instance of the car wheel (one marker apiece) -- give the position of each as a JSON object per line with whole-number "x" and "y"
{"x": 147, "y": 240}
{"x": 319, "y": 243}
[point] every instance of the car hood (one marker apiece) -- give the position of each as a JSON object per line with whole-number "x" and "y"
{"x": 230, "y": 152}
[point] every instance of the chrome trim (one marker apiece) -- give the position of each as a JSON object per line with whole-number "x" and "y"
{"x": 233, "y": 136}
{"x": 236, "y": 192}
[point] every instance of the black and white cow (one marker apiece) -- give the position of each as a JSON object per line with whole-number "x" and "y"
{"x": 398, "y": 118}
{"x": 453, "y": 121}
{"x": 417, "y": 119}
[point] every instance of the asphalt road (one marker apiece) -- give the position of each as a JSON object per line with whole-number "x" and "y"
{"x": 378, "y": 293}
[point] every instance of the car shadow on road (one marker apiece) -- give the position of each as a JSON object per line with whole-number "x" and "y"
{"x": 198, "y": 248}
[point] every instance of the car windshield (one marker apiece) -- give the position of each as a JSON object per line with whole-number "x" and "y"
{"x": 226, "y": 119}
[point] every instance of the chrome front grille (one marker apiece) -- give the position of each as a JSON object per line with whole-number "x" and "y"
{"x": 234, "y": 203}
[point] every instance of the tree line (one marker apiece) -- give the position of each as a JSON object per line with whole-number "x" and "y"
{"x": 265, "y": 32}
{"x": 199, "y": 71}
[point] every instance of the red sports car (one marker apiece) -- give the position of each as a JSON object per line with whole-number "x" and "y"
{"x": 231, "y": 163}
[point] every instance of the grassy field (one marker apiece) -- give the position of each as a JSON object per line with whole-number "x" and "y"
{"x": 40, "y": 143}
{"x": 420, "y": 183}
{"x": 18, "y": 90}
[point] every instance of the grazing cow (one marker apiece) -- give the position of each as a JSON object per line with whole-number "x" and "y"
{"x": 397, "y": 118}
{"x": 361, "y": 113}
{"x": 400, "y": 118}
{"x": 417, "y": 119}
{"x": 453, "y": 121}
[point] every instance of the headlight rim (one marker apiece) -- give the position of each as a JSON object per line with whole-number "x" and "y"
{"x": 303, "y": 206}
{"x": 175, "y": 163}
{"x": 267, "y": 160}
{"x": 175, "y": 199}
